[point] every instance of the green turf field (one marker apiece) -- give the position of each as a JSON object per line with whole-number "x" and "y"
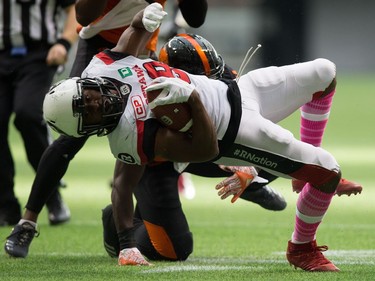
{"x": 238, "y": 241}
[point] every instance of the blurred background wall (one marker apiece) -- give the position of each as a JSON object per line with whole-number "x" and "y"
{"x": 292, "y": 31}
{"x": 289, "y": 30}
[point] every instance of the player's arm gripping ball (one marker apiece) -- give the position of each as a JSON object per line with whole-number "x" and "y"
{"x": 237, "y": 183}
{"x": 175, "y": 90}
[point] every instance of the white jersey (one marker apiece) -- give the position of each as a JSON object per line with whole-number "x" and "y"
{"x": 244, "y": 122}
{"x": 132, "y": 140}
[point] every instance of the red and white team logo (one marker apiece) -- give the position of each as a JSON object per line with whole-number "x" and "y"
{"x": 139, "y": 107}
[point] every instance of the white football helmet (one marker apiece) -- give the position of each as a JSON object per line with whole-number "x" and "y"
{"x": 64, "y": 107}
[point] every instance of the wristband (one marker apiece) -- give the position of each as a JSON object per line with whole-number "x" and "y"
{"x": 65, "y": 43}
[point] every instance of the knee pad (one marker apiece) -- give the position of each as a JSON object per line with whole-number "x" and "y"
{"x": 314, "y": 75}
{"x": 183, "y": 245}
{"x": 326, "y": 70}
{"x": 158, "y": 243}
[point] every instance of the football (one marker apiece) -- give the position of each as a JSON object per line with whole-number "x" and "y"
{"x": 176, "y": 116}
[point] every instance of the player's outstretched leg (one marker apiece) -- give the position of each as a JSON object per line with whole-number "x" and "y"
{"x": 302, "y": 251}
{"x": 314, "y": 119}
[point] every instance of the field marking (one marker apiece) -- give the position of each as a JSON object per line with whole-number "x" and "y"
{"x": 353, "y": 253}
{"x": 181, "y": 268}
{"x": 59, "y": 254}
{"x": 342, "y": 257}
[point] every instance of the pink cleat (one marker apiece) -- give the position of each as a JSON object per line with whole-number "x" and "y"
{"x": 309, "y": 257}
{"x": 344, "y": 187}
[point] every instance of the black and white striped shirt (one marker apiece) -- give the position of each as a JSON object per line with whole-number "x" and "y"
{"x": 26, "y": 22}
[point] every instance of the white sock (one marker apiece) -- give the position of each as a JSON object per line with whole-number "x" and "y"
{"x": 22, "y": 221}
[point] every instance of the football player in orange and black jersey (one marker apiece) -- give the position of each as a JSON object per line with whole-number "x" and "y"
{"x": 195, "y": 54}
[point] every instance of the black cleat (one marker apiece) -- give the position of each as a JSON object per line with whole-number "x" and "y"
{"x": 266, "y": 197}
{"x": 58, "y": 211}
{"x": 18, "y": 242}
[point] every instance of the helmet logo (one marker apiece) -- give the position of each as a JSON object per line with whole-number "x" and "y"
{"x": 125, "y": 89}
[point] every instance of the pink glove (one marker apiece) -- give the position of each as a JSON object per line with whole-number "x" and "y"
{"x": 237, "y": 183}
{"x": 131, "y": 256}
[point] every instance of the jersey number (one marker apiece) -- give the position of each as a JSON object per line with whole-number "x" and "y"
{"x": 158, "y": 69}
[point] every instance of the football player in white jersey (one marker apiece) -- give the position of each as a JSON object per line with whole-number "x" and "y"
{"x": 230, "y": 129}
{"x": 103, "y": 27}
{"x": 159, "y": 213}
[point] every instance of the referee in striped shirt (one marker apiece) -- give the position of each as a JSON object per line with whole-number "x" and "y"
{"x": 35, "y": 38}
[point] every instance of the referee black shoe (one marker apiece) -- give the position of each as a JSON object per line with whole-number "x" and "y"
{"x": 10, "y": 214}
{"x": 58, "y": 211}
{"x": 18, "y": 242}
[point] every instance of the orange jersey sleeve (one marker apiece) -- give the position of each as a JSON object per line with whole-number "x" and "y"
{"x": 113, "y": 35}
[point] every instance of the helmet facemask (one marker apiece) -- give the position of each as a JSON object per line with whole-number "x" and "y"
{"x": 112, "y": 106}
